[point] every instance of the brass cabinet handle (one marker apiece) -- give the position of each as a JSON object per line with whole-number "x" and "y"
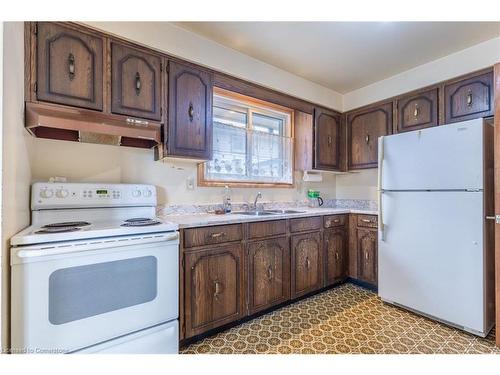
{"x": 469, "y": 99}
{"x": 136, "y": 122}
{"x": 367, "y": 138}
{"x": 191, "y": 112}
{"x": 217, "y": 235}
{"x": 269, "y": 272}
{"x": 217, "y": 291}
{"x": 366, "y": 220}
{"x": 71, "y": 66}
{"x": 308, "y": 263}
{"x": 336, "y": 221}
{"x": 329, "y": 140}
{"x": 137, "y": 83}
{"x": 337, "y": 255}
{"x": 367, "y": 256}
{"x": 416, "y": 111}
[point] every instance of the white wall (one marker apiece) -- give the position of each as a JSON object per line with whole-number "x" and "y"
{"x": 363, "y": 185}
{"x": 16, "y": 176}
{"x": 182, "y": 43}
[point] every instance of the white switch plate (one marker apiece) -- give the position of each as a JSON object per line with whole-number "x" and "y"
{"x": 190, "y": 183}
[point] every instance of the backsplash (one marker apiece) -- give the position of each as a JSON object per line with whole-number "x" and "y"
{"x": 190, "y": 209}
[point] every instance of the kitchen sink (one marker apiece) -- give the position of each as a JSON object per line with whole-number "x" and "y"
{"x": 254, "y": 213}
{"x": 285, "y": 211}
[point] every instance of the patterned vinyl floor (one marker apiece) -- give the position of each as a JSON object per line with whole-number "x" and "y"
{"x": 347, "y": 319}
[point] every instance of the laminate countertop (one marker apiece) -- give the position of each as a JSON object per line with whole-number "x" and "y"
{"x": 206, "y": 219}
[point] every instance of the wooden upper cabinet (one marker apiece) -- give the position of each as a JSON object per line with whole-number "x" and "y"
{"x": 418, "y": 110}
{"x": 135, "y": 82}
{"x": 214, "y": 293}
{"x": 268, "y": 273}
{"x": 189, "y": 112}
{"x": 335, "y": 242}
{"x": 307, "y": 263}
{"x": 69, "y": 66}
{"x": 364, "y": 127}
{"x": 367, "y": 255}
{"x": 470, "y": 97}
{"x": 327, "y": 139}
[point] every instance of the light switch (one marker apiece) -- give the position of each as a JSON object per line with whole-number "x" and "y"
{"x": 190, "y": 183}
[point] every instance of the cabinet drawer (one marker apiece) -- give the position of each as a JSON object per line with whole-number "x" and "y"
{"x": 305, "y": 224}
{"x": 266, "y": 228}
{"x": 212, "y": 235}
{"x": 369, "y": 221}
{"x": 334, "y": 221}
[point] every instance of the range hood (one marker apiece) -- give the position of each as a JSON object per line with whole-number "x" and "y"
{"x": 82, "y": 125}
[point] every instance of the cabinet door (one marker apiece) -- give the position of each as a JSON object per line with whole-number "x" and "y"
{"x": 335, "y": 242}
{"x": 189, "y": 112}
{"x": 268, "y": 273}
{"x": 367, "y": 255}
{"x": 214, "y": 292}
{"x": 69, "y": 66}
{"x": 418, "y": 111}
{"x": 327, "y": 139}
{"x": 307, "y": 265}
{"x": 469, "y": 98}
{"x": 364, "y": 128}
{"x": 135, "y": 82}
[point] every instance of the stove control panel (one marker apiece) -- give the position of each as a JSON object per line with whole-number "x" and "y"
{"x": 76, "y": 195}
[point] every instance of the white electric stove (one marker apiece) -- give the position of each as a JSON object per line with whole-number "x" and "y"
{"x": 96, "y": 272}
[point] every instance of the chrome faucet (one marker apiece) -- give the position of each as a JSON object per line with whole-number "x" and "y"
{"x": 259, "y": 195}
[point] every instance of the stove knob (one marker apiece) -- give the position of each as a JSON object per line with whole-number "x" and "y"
{"x": 46, "y": 193}
{"x": 62, "y": 193}
{"x": 136, "y": 193}
{"x": 147, "y": 193}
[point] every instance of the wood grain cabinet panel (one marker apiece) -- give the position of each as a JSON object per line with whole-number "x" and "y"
{"x": 136, "y": 82}
{"x": 327, "y": 139}
{"x": 331, "y": 221}
{"x": 418, "y": 111}
{"x": 307, "y": 263}
{"x": 214, "y": 291}
{"x": 367, "y": 255}
{"x": 212, "y": 235}
{"x": 189, "y": 112}
{"x": 261, "y": 229}
{"x": 364, "y": 127}
{"x": 69, "y": 66}
{"x": 469, "y": 98}
{"x": 268, "y": 273}
{"x": 335, "y": 243}
{"x": 305, "y": 224}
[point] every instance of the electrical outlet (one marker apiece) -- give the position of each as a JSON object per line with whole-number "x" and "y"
{"x": 190, "y": 183}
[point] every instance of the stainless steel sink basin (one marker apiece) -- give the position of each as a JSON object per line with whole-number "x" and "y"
{"x": 267, "y": 212}
{"x": 253, "y": 213}
{"x": 285, "y": 211}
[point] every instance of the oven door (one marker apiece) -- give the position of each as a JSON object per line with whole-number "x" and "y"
{"x": 76, "y": 294}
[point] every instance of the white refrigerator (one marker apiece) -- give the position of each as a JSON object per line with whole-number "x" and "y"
{"x": 436, "y": 249}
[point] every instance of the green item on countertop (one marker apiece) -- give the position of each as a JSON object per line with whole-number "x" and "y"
{"x": 312, "y": 194}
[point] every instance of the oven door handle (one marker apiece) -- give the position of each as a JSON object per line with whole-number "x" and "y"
{"x": 99, "y": 244}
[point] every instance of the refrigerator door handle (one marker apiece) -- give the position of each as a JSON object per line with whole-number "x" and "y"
{"x": 380, "y": 191}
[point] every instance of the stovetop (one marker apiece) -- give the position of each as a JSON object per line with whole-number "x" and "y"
{"x": 77, "y": 230}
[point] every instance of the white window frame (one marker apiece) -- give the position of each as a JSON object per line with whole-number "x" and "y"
{"x": 250, "y": 105}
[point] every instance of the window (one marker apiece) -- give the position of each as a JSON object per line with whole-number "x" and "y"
{"x": 252, "y": 143}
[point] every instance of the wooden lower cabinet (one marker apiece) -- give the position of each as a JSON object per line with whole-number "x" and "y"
{"x": 268, "y": 273}
{"x": 335, "y": 244}
{"x": 307, "y": 263}
{"x": 214, "y": 288}
{"x": 366, "y": 240}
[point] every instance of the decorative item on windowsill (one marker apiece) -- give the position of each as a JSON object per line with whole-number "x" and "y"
{"x": 314, "y": 200}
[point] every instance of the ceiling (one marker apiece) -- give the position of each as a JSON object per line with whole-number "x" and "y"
{"x": 344, "y": 56}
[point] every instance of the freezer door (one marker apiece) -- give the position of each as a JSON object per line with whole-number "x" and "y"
{"x": 447, "y": 157}
{"x": 431, "y": 258}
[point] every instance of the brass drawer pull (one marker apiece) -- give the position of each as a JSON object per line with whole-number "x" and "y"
{"x": 367, "y": 138}
{"x": 137, "y": 83}
{"x": 133, "y": 121}
{"x": 71, "y": 66}
{"x": 416, "y": 111}
{"x": 269, "y": 273}
{"x": 217, "y": 285}
{"x": 217, "y": 235}
{"x": 336, "y": 221}
{"x": 366, "y": 221}
{"x": 337, "y": 256}
{"x": 367, "y": 256}
{"x": 469, "y": 99}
